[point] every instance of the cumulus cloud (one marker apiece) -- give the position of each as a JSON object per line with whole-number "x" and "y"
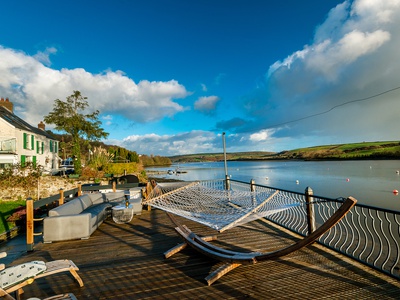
{"x": 197, "y": 141}
{"x": 261, "y": 135}
{"x": 206, "y": 104}
{"x": 312, "y": 92}
{"x": 33, "y": 87}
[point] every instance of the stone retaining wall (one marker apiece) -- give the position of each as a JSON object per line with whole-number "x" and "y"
{"x": 47, "y": 186}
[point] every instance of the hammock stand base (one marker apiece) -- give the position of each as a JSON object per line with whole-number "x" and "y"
{"x": 234, "y": 259}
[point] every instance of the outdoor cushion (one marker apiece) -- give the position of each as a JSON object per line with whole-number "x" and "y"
{"x": 17, "y": 274}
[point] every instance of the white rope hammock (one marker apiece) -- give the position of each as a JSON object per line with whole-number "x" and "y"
{"x": 218, "y": 209}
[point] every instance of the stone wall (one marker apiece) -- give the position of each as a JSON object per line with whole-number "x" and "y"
{"x": 47, "y": 186}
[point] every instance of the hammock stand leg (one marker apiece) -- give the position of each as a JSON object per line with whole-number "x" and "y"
{"x": 221, "y": 271}
{"x": 181, "y": 246}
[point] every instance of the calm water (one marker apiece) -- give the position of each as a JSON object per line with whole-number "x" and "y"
{"x": 370, "y": 182}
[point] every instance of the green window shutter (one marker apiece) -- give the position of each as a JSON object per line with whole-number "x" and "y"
{"x": 25, "y": 141}
{"x": 23, "y": 160}
{"x": 32, "y": 142}
{"x": 51, "y": 146}
{"x": 56, "y": 147}
{"x": 34, "y": 161}
{"x": 37, "y": 147}
{"x": 42, "y": 148}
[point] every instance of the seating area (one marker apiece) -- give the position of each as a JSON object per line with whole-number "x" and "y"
{"x": 81, "y": 216}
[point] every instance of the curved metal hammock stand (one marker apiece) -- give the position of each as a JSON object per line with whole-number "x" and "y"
{"x": 234, "y": 259}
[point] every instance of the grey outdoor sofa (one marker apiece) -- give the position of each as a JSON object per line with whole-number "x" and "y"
{"x": 80, "y": 217}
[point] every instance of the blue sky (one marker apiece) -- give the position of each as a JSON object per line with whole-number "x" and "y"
{"x": 168, "y": 77}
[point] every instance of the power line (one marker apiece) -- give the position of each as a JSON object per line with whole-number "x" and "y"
{"x": 336, "y": 106}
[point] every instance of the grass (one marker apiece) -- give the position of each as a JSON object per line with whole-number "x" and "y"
{"x": 6, "y": 209}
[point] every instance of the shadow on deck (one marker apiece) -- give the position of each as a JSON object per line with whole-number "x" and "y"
{"x": 125, "y": 261}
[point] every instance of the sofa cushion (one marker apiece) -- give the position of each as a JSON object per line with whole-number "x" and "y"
{"x": 96, "y": 198}
{"x": 117, "y": 196}
{"x": 73, "y": 207}
{"x": 98, "y": 213}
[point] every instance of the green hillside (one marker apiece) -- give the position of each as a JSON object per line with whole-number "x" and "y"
{"x": 364, "y": 150}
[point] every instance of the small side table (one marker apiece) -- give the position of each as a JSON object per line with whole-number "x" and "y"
{"x": 122, "y": 214}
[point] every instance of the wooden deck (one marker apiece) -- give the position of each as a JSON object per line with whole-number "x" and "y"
{"x": 125, "y": 261}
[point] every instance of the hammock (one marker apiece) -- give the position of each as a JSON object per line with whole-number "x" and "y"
{"x": 218, "y": 209}
{"x": 222, "y": 209}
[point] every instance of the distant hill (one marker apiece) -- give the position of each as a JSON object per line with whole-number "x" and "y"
{"x": 364, "y": 150}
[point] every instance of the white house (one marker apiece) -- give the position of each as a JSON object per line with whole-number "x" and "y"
{"x": 22, "y": 143}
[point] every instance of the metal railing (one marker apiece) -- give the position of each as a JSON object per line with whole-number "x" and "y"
{"x": 367, "y": 234}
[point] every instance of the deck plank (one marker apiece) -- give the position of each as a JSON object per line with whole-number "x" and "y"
{"x": 125, "y": 261}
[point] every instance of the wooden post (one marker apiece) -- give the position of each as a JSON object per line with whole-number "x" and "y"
{"x": 79, "y": 189}
{"x": 310, "y": 210}
{"x": 227, "y": 183}
{"x": 29, "y": 225}
{"x": 253, "y": 189}
{"x": 252, "y": 185}
{"x": 38, "y": 188}
{"x": 61, "y": 200}
{"x": 114, "y": 186}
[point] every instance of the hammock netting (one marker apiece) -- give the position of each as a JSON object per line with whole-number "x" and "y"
{"x": 218, "y": 209}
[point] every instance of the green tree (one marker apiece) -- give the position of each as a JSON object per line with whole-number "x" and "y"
{"x": 68, "y": 116}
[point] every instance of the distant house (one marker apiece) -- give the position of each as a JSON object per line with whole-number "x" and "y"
{"x": 22, "y": 143}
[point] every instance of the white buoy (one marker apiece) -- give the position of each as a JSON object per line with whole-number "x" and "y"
{"x": 297, "y": 182}
{"x": 266, "y": 178}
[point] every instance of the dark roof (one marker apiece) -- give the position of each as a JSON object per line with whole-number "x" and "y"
{"x": 16, "y": 121}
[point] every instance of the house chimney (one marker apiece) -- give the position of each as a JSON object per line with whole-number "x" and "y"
{"x": 41, "y": 126}
{"x": 7, "y": 104}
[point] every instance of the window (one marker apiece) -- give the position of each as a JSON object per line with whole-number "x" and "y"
{"x": 29, "y": 141}
{"x": 25, "y": 146}
{"x": 39, "y": 147}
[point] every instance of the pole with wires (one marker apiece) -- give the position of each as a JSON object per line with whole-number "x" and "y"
{"x": 227, "y": 184}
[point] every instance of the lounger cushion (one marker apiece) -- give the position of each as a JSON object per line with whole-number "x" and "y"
{"x": 17, "y": 274}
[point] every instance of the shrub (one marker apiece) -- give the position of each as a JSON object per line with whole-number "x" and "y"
{"x": 120, "y": 168}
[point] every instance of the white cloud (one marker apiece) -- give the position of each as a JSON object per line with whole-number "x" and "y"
{"x": 262, "y": 135}
{"x": 33, "y": 87}
{"x": 108, "y": 119}
{"x": 354, "y": 55}
{"x": 183, "y": 143}
{"x": 329, "y": 59}
{"x": 44, "y": 57}
{"x": 206, "y": 104}
{"x": 199, "y": 141}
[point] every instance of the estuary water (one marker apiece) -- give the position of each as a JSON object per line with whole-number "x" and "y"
{"x": 371, "y": 182}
